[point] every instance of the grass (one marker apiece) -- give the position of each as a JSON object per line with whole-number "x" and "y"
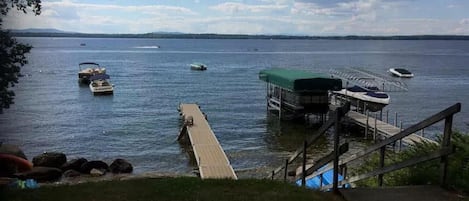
{"x": 182, "y": 188}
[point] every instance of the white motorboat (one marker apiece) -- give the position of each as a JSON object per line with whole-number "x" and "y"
{"x": 198, "y": 66}
{"x": 88, "y": 69}
{"x": 400, "y": 72}
{"x": 100, "y": 85}
{"x": 364, "y": 98}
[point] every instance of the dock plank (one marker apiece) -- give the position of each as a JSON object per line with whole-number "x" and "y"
{"x": 385, "y": 128}
{"x": 211, "y": 159}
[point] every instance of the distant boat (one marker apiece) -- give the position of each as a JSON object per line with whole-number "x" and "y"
{"x": 375, "y": 100}
{"x": 400, "y": 72}
{"x": 88, "y": 69}
{"x": 101, "y": 85}
{"x": 83, "y": 44}
{"x": 198, "y": 66}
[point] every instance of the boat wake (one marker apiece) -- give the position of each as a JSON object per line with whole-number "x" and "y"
{"x": 148, "y": 47}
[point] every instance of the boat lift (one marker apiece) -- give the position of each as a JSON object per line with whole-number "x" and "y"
{"x": 368, "y": 79}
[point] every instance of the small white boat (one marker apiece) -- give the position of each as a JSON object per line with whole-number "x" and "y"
{"x": 198, "y": 66}
{"x": 88, "y": 69}
{"x": 374, "y": 100}
{"x": 400, "y": 72}
{"x": 100, "y": 85}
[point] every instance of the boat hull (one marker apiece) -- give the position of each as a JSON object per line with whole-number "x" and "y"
{"x": 396, "y": 73}
{"x": 361, "y": 100}
{"x": 97, "y": 88}
{"x": 198, "y": 67}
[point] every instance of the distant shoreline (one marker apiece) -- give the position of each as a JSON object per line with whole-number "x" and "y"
{"x": 238, "y": 36}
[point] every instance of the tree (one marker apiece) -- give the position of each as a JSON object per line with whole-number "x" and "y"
{"x": 12, "y": 53}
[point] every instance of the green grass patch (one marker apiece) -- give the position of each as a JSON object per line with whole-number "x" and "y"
{"x": 183, "y": 188}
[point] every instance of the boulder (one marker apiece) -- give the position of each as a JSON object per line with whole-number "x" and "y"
{"x": 97, "y": 173}
{"x": 50, "y": 159}
{"x": 121, "y": 166}
{"x": 74, "y": 164}
{"x": 12, "y": 149}
{"x": 71, "y": 173}
{"x": 41, "y": 174}
{"x": 100, "y": 165}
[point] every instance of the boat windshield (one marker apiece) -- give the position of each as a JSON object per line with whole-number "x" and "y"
{"x": 377, "y": 95}
{"x": 403, "y": 71}
{"x": 357, "y": 89}
{"x": 85, "y": 65}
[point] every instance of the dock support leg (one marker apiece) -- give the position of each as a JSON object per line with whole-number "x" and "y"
{"x": 387, "y": 116}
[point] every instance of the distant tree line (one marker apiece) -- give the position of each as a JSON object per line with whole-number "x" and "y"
{"x": 240, "y": 36}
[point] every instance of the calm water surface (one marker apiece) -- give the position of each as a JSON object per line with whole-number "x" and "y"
{"x": 140, "y": 121}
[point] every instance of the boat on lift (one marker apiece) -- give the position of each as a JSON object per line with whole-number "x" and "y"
{"x": 364, "y": 98}
{"x": 401, "y": 72}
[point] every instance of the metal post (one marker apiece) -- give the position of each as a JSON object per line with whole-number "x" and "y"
{"x": 366, "y": 126}
{"x": 358, "y": 105}
{"x": 395, "y": 120}
{"x": 273, "y": 174}
{"x": 387, "y": 116}
{"x": 381, "y": 115}
{"x": 303, "y": 169}
{"x": 286, "y": 171}
{"x": 335, "y": 180}
{"x": 446, "y": 143}
{"x": 423, "y": 132}
{"x": 375, "y": 131}
{"x": 280, "y": 106}
{"x": 382, "y": 152}
{"x": 364, "y": 107}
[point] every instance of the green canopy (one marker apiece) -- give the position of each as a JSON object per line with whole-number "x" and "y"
{"x": 298, "y": 80}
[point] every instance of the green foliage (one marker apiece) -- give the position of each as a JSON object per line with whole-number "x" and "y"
{"x": 427, "y": 172}
{"x": 183, "y": 188}
{"x": 12, "y": 53}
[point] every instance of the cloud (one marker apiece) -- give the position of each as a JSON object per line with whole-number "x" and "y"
{"x": 233, "y": 7}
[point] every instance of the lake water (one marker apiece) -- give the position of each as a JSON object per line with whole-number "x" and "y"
{"x": 140, "y": 122}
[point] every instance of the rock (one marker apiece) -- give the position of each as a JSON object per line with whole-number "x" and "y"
{"x": 71, "y": 173}
{"x": 12, "y": 149}
{"x": 96, "y": 173}
{"x": 86, "y": 167}
{"x": 74, "y": 164}
{"x": 50, "y": 159}
{"x": 121, "y": 166}
{"x": 41, "y": 174}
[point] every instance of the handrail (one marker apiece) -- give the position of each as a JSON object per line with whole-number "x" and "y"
{"x": 318, "y": 133}
{"x": 416, "y": 127}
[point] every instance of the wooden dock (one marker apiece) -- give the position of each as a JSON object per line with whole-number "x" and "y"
{"x": 384, "y": 128}
{"x": 208, "y": 153}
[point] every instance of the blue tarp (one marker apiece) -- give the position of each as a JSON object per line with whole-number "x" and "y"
{"x": 327, "y": 179}
{"x": 100, "y": 77}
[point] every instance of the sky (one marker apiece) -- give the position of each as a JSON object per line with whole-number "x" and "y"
{"x": 287, "y": 17}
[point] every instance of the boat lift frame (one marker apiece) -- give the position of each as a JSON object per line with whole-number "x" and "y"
{"x": 368, "y": 79}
